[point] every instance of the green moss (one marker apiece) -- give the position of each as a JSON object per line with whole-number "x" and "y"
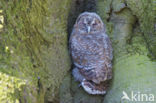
{"x": 142, "y": 10}
{"x": 118, "y": 5}
{"x": 65, "y": 90}
{"x": 130, "y": 33}
{"x": 35, "y": 34}
{"x": 104, "y": 10}
{"x": 9, "y": 87}
{"x": 132, "y": 73}
{"x": 145, "y": 12}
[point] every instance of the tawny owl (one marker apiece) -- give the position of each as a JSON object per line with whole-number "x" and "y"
{"x": 91, "y": 53}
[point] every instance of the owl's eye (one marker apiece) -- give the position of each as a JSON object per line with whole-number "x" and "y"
{"x": 84, "y": 23}
{"x": 94, "y": 24}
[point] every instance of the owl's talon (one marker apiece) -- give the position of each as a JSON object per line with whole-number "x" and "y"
{"x": 79, "y": 85}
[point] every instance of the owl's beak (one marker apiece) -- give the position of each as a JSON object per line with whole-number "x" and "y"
{"x": 88, "y": 29}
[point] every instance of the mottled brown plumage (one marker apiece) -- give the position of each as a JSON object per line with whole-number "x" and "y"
{"x": 91, "y": 53}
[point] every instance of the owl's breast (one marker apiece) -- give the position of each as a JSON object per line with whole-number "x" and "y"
{"x": 90, "y": 44}
{"x": 87, "y": 51}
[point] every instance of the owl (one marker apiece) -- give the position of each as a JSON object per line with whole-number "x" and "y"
{"x": 91, "y": 53}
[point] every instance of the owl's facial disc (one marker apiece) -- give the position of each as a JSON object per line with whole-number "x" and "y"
{"x": 89, "y": 24}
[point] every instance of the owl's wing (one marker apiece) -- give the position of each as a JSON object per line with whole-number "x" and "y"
{"x": 78, "y": 53}
{"x": 74, "y": 48}
{"x": 103, "y": 68}
{"x": 108, "y": 56}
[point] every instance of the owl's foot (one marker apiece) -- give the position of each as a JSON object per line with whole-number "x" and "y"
{"x": 77, "y": 75}
{"x": 93, "y": 88}
{"x": 79, "y": 85}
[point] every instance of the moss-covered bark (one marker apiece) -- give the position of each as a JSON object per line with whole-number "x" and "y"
{"x": 133, "y": 69}
{"x": 34, "y": 47}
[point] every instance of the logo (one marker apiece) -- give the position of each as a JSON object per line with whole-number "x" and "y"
{"x": 138, "y": 96}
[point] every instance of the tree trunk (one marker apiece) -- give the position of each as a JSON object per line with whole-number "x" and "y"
{"x": 33, "y": 50}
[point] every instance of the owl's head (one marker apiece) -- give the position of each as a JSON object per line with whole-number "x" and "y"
{"x": 89, "y": 22}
